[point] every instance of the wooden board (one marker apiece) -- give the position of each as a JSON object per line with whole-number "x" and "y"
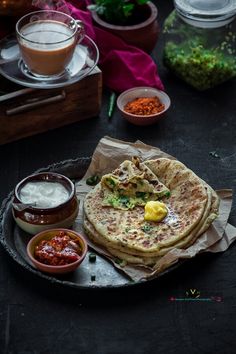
{"x": 82, "y": 101}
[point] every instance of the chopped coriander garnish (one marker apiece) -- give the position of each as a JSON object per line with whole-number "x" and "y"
{"x": 124, "y": 200}
{"x": 93, "y": 180}
{"x": 92, "y": 258}
{"x": 167, "y": 194}
{"x": 140, "y": 195}
{"x": 111, "y": 182}
{"x": 146, "y": 228}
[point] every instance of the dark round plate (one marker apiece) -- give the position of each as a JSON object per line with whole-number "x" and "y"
{"x": 14, "y": 240}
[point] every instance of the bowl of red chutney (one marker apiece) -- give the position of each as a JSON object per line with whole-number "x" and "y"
{"x": 57, "y": 251}
{"x": 143, "y": 105}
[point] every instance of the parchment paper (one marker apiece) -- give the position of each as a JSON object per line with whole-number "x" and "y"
{"x": 107, "y": 156}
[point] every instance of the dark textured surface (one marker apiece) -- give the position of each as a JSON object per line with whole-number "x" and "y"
{"x": 38, "y": 317}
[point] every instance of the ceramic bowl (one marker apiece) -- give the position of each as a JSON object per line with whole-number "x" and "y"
{"x": 56, "y": 269}
{"x": 136, "y": 92}
{"x": 143, "y": 35}
{"x": 33, "y": 219}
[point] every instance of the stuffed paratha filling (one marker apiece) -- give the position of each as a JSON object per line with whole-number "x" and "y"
{"x": 131, "y": 185}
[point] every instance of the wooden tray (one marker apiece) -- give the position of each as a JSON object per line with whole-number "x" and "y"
{"x": 76, "y": 102}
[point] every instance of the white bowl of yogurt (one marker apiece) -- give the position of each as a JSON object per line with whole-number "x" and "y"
{"x": 44, "y": 201}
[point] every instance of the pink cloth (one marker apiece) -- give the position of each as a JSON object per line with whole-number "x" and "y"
{"x": 122, "y": 65}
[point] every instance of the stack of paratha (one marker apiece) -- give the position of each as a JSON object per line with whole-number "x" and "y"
{"x": 114, "y": 210}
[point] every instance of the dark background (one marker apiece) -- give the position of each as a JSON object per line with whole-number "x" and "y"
{"x": 38, "y": 317}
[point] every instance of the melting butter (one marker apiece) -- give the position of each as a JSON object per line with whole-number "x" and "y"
{"x": 155, "y": 211}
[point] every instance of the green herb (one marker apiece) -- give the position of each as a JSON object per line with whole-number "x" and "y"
{"x": 92, "y": 258}
{"x": 111, "y": 182}
{"x": 167, "y": 194}
{"x": 121, "y": 262}
{"x": 141, "y": 195}
{"x": 124, "y": 200}
{"x": 214, "y": 154}
{"x": 93, "y": 277}
{"x": 117, "y": 12}
{"x": 146, "y": 228}
{"x": 112, "y": 103}
{"x": 127, "y": 229}
{"x": 93, "y": 180}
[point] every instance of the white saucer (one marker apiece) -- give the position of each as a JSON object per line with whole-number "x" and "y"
{"x": 84, "y": 60}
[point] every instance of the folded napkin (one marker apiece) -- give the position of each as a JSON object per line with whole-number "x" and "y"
{"x": 122, "y": 65}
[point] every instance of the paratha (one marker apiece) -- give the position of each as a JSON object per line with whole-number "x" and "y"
{"x": 119, "y": 254}
{"x": 126, "y": 230}
{"x": 209, "y": 215}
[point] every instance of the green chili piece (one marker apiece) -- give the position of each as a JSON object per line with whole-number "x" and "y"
{"x": 93, "y": 180}
{"x": 118, "y": 260}
{"x": 112, "y": 102}
{"x": 92, "y": 258}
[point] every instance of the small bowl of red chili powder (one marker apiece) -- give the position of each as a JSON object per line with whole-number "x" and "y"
{"x": 143, "y": 105}
{"x": 57, "y": 251}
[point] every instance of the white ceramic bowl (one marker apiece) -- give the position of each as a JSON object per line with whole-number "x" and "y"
{"x": 136, "y": 92}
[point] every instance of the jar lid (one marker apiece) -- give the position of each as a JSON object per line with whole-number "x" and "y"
{"x": 206, "y": 13}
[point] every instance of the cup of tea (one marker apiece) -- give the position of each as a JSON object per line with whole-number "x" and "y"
{"x": 47, "y": 40}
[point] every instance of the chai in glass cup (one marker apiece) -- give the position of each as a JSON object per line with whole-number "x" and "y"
{"x": 47, "y": 41}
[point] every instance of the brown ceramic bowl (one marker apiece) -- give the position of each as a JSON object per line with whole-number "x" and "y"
{"x": 33, "y": 219}
{"x": 56, "y": 269}
{"x": 136, "y": 92}
{"x": 143, "y": 35}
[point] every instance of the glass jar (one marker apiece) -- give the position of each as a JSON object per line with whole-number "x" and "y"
{"x": 200, "y": 41}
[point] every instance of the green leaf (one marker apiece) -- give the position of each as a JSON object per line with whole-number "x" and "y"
{"x": 127, "y": 9}
{"x": 116, "y": 11}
